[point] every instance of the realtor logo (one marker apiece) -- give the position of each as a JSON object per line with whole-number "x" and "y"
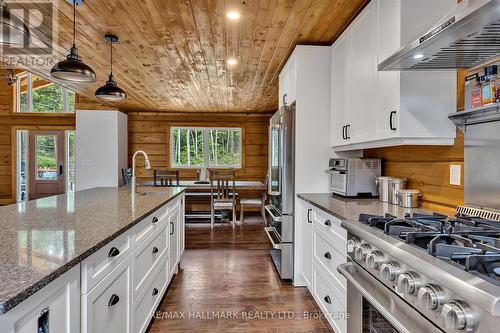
{"x": 28, "y": 28}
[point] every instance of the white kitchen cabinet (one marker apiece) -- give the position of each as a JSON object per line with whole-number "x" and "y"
{"x": 173, "y": 230}
{"x": 304, "y": 213}
{"x": 378, "y": 109}
{"x": 288, "y": 82}
{"x": 106, "y": 308}
{"x": 56, "y": 307}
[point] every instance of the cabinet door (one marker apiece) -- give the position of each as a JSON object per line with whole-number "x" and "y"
{"x": 173, "y": 228}
{"x": 305, "y": 215}
{"x": 106, "y": 308}
{"x": 339, "y": 83}
{"x": 291, "y": 70}
{"x": 361, "y": 91}
{"x": 388, "y": 83}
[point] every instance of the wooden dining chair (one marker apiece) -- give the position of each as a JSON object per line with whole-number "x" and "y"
{"x": 223, "y": 193}
{"x": 165, "y": 178}
{"x": 255, "y": 202}
{"x": 127, "y": 176}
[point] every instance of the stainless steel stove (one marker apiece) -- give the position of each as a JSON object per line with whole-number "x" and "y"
{"x": 426, "y": 273}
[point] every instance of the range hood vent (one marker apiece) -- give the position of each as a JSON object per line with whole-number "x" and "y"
{"x": 485, "y": 114}
{"x": 467, "y": 37}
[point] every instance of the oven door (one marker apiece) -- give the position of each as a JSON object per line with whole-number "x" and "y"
{"x": 338, "y": 181}
{"x": 375, "y": 308}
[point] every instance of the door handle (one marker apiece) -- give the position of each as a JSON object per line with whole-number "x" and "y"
{"x": 343, "y": 132}
{"x": 328, "y": 255}
{"x": 155, "y": 250}
{"x": 347, "y": 127}
{"x": 328, "y": 299}
{"x": 309, "y": 218}
{"x": 154, "y": 220}
{"x": 172, "y": 227}
{"x": 284, "y": 99}
{"x": 155, "y": 292}
{"x": 391, "y": 120}
{"x": 328, "y": 223}
{"x": 61, "y": 170}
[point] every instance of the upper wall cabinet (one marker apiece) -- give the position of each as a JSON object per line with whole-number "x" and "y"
{"x": 287, "y": 82}
{"x": 376, "y": 109}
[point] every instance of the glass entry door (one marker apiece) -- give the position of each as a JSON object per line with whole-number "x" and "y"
{"x": 46, "y": 163}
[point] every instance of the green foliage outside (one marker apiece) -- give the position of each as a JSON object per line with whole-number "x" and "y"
{"x": 48, "y": 99}
{"x": 223, "y": 147}
{"x": 46, "y": 152}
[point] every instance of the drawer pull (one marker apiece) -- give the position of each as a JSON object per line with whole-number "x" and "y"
{"x": 113, "y": 300}
{"x": 328, "y": 256}
{"x": 172, "y": 228}
{"x": 328, "y": 299}
{"x": 113, "y": 252}
{"x": 155, "y": 291}
{"x": 155, "y": 250}
{"x": 328, "y": 223}
{"x": 155, "y": 219}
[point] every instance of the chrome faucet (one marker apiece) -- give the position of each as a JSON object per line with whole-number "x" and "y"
{"x": 147, "y": 165}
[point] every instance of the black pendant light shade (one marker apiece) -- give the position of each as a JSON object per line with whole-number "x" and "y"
{"x": 73, "y": 68}
{"x": 13, "y": 31}
{"x": 110, "y": 91}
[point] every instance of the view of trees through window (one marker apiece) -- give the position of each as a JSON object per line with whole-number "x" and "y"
{"x": 206, "y": 147}
{"x": 35, "y": 94}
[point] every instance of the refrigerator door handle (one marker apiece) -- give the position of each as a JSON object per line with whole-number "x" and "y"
{"x": 275, "y": 218}
{"x": 268, "y": 231}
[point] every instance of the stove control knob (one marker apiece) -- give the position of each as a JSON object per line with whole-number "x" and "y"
{"x": 408, "y": 283}
{"x": 457, "y": 316}
{"x": 389, "y": 271}
{"x": 374, "y": 259}
{"x": 361, "y": 251}
{"x": 430, "y": 297}
{"x": 352, "y": 244}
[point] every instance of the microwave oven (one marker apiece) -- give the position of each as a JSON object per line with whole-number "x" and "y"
{"x": 354, "y": 177}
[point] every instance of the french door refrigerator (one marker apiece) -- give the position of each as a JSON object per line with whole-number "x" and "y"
{"x": 280, "y": 222}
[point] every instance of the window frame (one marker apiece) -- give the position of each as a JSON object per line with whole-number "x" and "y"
{"x": 206, "y": 151}
{"x": 29, "y": 95}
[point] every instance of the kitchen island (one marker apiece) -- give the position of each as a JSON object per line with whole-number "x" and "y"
{"x": 63, "y": 253}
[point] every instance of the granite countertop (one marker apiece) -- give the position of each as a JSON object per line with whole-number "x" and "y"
{"x": 42, "y": 239}
{"x": 350, "y": 208}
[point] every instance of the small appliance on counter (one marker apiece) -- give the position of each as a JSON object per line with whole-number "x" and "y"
{"x": 354, "y": 177}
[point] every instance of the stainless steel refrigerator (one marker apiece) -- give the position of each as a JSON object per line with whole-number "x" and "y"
{"x": 280, "y": 211}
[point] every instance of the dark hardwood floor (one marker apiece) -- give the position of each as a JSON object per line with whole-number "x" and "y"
{"x": 227, "y": 283}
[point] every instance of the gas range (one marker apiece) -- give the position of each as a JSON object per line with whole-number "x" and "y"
{"x": 445, "y": 269}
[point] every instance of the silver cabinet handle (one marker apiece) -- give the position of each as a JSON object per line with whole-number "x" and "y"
{"x": 268, "y": 231}
{"x": 274, "y": 217}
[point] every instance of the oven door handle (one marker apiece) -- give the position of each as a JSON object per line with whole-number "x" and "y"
{"x": 346, "y": 270}
{"x": 273, "y": 217}
{"x": 268, "y": 231}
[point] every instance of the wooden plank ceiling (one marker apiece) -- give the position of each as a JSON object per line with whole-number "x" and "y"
{"x": 173, "y": 53}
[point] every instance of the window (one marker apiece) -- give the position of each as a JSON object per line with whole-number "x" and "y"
{"x": 35, "y": 94}
{"x": 205, "y": 147}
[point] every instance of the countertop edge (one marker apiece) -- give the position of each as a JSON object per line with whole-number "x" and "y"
{"x": 37, "y": 286}
{"x": 315, "y": 204}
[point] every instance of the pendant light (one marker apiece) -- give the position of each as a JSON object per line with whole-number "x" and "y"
{"x": 73, "y": 68}
{"x": 110, "y": 91}
{"x": 13, "y": 31}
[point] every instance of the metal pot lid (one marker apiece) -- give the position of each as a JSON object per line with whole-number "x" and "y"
{"x": 409, "y": 192}
{"x": 384, "y": 178}
{"x": 399, "y": 180}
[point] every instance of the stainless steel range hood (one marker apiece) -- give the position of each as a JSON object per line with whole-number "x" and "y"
{"x": 467, "y": 37}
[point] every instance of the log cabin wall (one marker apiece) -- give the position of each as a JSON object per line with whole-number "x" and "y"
{"x": 428, "y": 167}
{"x": 9, "y": 123}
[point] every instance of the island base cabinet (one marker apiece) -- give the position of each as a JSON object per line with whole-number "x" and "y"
{"x": 150, "y": 298}
{"x": 106, "y": 308}
{"x": 54, "y": 309}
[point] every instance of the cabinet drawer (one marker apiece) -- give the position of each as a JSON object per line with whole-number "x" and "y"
{"x": 330, "y": 254}
{"x": 102, "y": 262}
{"x": 107, "y": 307}
{"x": 149, "y": 299}
{"x": 147, "y": 226}
{"x": 147, "y": 257}
{"x": 332, "y": 301}
{"x": 330, "y": 224}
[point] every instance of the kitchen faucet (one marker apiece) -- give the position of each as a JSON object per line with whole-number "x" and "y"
{"x": 147, "y": 165}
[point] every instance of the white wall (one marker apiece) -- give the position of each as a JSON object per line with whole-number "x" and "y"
{"x": 100, "y": 148}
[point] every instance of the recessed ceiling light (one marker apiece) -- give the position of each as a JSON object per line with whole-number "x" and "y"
{"x": 232, "y": 15}
{"x": 418, "y": 56}
{"x": 232, "y": 61}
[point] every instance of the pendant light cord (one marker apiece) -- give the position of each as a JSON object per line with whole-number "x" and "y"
{"x": 111, "y": 43}
{"x": 74, "y": 23}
